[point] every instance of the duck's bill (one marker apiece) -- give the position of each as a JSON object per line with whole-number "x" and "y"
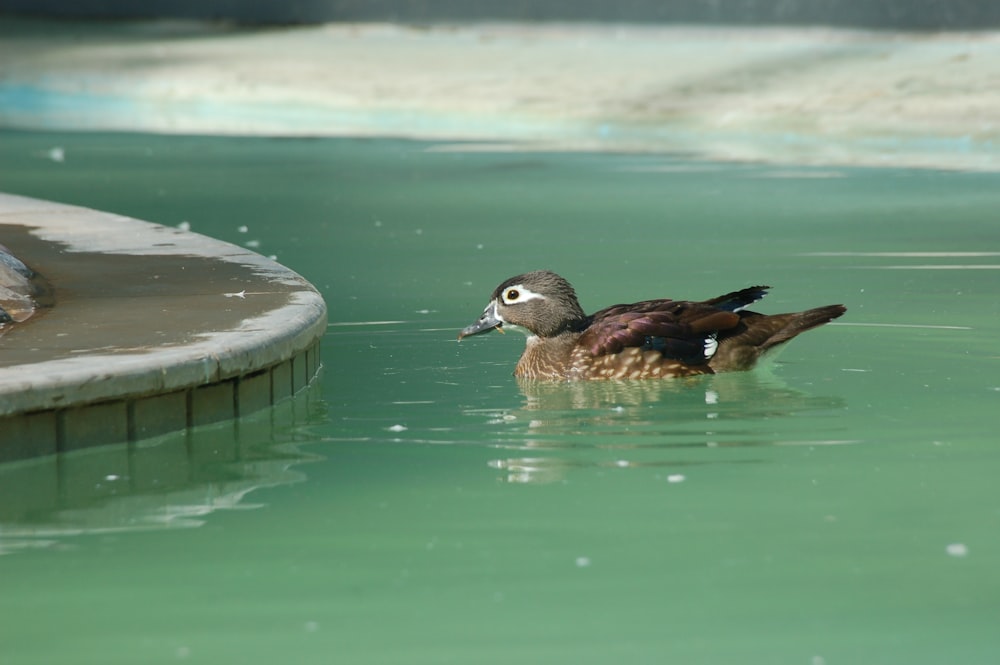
{"x": 487, "y": 322}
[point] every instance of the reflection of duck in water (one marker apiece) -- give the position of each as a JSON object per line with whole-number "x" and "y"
{"x": 566, "y": 426}
{"x": 587, "y": 406}
{"x": 649, "y": 339}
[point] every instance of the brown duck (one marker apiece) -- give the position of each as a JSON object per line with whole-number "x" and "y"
{"x": 643, "y": 340}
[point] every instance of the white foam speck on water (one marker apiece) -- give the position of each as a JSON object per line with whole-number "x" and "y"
{"x": 957, "y": 550}
{"x": 398, "y": 428}
{"x": 676, "y": 478}
{"x": 242, "y": 229}
{"x": 582, "y": 561}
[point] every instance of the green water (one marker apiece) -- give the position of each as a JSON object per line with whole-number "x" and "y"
{"x": 420, "y": 506}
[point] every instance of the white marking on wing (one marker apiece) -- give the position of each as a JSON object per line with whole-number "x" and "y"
{"x": 711, "y": 346}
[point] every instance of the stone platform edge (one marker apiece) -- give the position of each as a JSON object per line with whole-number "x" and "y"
{"x": 68, "y": 403}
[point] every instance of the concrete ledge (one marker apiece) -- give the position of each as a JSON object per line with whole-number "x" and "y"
{"x": 154, "y": 329}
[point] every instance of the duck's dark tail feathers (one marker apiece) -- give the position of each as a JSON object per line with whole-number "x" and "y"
{"x": 738, "y": 300}
{"x": 741, "y": 347}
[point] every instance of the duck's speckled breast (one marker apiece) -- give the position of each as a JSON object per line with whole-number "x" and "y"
{"x": 546, "y": 357}
{"x": 560, "y": 358}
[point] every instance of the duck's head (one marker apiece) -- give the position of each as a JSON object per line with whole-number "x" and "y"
{"x": 541, "y": 303}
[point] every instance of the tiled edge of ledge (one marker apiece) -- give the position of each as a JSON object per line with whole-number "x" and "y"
{"x": 247, "y": 364}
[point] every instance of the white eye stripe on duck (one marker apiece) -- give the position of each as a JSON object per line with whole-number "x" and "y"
{"x": 519, "y": 293}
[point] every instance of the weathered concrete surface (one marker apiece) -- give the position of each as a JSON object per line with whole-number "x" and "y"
{"x": 814, "y": 96}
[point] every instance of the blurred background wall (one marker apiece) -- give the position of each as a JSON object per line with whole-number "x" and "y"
{"x": 872, "y": 14}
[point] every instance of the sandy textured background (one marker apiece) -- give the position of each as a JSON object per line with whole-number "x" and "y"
{"x": 811, "y": 96}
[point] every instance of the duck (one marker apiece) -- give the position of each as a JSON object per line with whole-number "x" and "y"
{"x": 651, "y": 339}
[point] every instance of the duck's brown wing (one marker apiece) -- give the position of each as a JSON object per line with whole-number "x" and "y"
{"x": 680, "y": 330}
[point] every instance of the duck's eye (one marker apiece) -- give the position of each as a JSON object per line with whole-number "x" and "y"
{"x": 512, "y": 295}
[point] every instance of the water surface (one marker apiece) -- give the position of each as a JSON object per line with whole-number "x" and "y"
{"x": 420, "y": 505}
